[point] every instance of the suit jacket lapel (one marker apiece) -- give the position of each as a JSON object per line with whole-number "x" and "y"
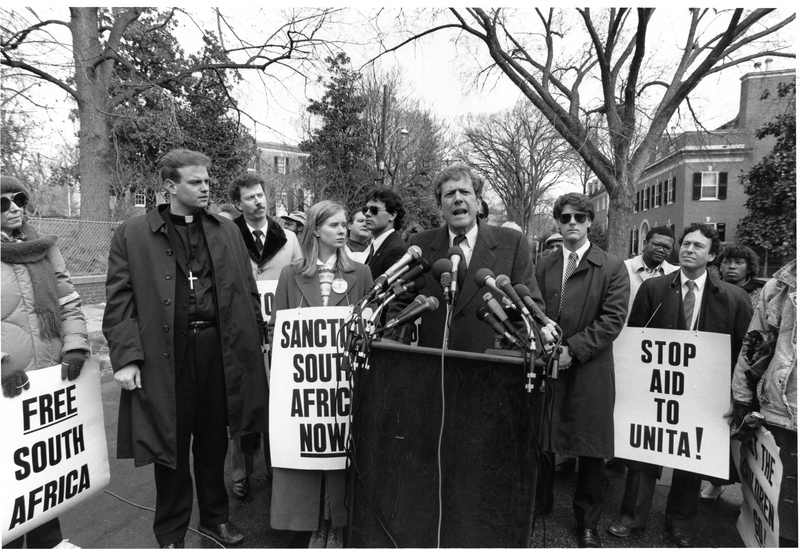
{"x": 713, "y": 307}
{"x": 309, "y": 290}
{"x": 553, "y": 278}
{"x": 382, "y": 249}
{"x": 482, "y": 257}
{"x": 341, "y": 298}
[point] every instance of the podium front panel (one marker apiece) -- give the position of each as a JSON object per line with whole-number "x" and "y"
{"x": 488, "y": 465}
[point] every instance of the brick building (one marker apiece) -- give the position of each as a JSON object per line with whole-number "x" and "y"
{"x": 279, "y": 164}
{"x": 694, "y": 176}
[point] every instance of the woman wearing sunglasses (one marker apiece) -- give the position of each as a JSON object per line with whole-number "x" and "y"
{"x": 42, "y": 321}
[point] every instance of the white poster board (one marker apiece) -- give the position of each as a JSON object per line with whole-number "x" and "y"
{"x": 673, "y": 388}
{"x": 54, "y": 452}
{"x": 760, "y": 471}
{"x": 309, "y": 407}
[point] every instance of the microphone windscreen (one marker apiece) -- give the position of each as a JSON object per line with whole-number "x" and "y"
{"x": 482, "y": 275}
{"x": 444, "y": 265}
{"x": 415, "y": 252}
{"x": 456, "y": 250}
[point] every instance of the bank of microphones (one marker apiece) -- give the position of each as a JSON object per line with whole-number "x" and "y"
{"x": 407, "y": 274}
{"x": 515, "y": 307}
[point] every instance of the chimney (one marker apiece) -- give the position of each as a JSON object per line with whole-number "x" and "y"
{"x": 757, "y": 66}
{"x": 767, "y": 63}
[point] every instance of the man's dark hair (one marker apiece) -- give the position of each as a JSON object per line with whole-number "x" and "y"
{"x": 662, "y": 230}
{"x": 180, "y": 158}
{"x": 393, "y": 204}
{"x": 707, "y": 232}
{"x": 454, "y": 173}
{"x": 578, "y": 201}
{"x": 740, "y": 251}
{"x": 244, "y": 181}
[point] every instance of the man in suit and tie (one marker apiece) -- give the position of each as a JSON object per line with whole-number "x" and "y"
{"x": 504, "y": 251}
{"x": 586, "y": 292}
{"x": 689, "y": 299}
{"x": 384, "y": 213}
{"x": 270, "y": 248}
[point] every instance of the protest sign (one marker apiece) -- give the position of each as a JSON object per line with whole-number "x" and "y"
{"x": 760, "y": 471}
{"x": 672, "y": 390}
{"x": 266, "y": 291}
{"x": 54, "y": 448}
{"x": 309, "y": 408}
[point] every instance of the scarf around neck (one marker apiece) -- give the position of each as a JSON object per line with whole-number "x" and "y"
{"x": 26, "y": 247}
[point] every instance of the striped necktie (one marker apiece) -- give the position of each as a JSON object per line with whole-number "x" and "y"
{"x": 571, "y": 264}
{"x": 257, "y": 238}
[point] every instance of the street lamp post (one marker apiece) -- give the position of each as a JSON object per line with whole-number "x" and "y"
{"x": 382, "y": 163}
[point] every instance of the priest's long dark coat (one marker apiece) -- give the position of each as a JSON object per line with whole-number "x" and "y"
{"x": 592, "y": 317}
{"x": 145, "y": 321}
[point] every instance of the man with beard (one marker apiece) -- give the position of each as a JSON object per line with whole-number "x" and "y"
{"x": 653, "y": 262}
{"x": 270, "y": 248}
{"x": 183, "y": 324}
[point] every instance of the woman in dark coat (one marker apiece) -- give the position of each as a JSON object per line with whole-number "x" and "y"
{"x": 325, "y": 277}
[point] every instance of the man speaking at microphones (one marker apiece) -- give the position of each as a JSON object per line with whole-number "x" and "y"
{"x": 470, "y": 245}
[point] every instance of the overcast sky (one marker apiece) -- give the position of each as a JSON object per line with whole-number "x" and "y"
{"x": 438, "y": 71}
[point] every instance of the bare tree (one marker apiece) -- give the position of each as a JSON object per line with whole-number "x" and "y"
{"x": 620, "y": 69}
{"x": 520, "y": 156}
{"x": 29, "y": 43}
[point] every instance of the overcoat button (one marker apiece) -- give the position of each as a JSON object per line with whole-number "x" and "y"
{"x": 183, "y": 307}
{"x": 168, "y": 277}
{"x": 167, "y": 302}
{"x": 169, "y": 252}
{"x": 166, "y": 328}
{"x": 166, "y": 354}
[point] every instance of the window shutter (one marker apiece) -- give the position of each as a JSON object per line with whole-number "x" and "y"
{"x": 722, "y": 182}
{"x": 674, "y": 189}
{"x": 721, "y": 231}
{"x": 697, "y": 184}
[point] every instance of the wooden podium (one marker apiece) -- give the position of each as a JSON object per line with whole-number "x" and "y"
{"x": 488, "y": 450}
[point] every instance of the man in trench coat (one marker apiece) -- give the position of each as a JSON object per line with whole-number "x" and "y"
{"x": 183, "y": 348}
{"x": 591, "y": 313}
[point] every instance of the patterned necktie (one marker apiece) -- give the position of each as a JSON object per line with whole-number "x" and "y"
{"x": 688, "y": 304}
{"x": 257, "y": 237}
{"x": 573, "y": 261}
{"x": 325, "y": 282}
{"x": 462, "y": 268}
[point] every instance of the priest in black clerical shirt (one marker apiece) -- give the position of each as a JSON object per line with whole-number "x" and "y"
{"x": 183, "y": 349}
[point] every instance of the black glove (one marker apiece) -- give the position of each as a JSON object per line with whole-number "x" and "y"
{"x": 14, "y": 383}
{"x": 736, "y": 420}
{"x": 71, "y": 364}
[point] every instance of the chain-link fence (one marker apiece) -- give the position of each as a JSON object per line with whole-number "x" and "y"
{"x": 84, "y": 244}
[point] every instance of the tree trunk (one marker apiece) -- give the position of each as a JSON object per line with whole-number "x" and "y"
{"x": 620, "y": 212}
{"x": 94, "y": 143}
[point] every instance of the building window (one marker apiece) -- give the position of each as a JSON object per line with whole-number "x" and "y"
{"x": 140, "y": 199}
{"x": 281, "y": 164}
{"x": 658, "y": 194}
{"x": 671, "y": 190}
{"x": 710, "y": 186}
{"x": 636, "y": 203}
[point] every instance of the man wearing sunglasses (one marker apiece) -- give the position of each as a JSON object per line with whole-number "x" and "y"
{"x": 653, "y": 261}
{"x": 383, "y": 211}
{"x": 586, "y": 292}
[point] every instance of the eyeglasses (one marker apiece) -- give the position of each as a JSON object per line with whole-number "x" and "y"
{"x": 371, "y": 209}
{"x": 566, "y": 218}
{"x": 20, "y": 199}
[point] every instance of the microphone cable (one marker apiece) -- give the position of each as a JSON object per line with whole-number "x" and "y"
{"x": 445, "y": 346}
